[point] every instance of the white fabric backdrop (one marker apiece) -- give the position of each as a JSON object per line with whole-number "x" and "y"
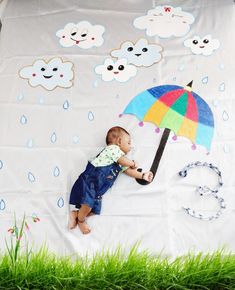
{"x": 63, "y": 128}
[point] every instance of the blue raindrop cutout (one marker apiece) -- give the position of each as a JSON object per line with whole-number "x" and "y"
{"x": 53, "y": 137}
{"x": 56, "y": 171}
{"x": 226, "y": 148}
{"x": 1, "y": 164}
{"x": 215, "y": 103}
{"x": 205, "y": 80}
{"x": 90, "y": 116}
{"x": 225, "y": 116}
{"x": 30, "y": 143}
{"x": 20, "y": 97}
{"x": 181, "y": 67}
{"x": 60, "y": 202}
{"x": 31, "y": 177}
{"x": 221, "y": 66}
{"x": 2, "y": 204}
{"x": 75, "y": 139}
{"x": 41, "y": 100}
{"x": 23, "y": 120}
{"x": 95, "y": 84}
{"x": 222, "y": 87}
{"x": 66, "y": 105}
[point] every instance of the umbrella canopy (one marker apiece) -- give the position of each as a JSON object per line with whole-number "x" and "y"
{"x": 176, "y": 108}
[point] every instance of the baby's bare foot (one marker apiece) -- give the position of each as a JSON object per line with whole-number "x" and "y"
{"x": 84, "y": 227}
{"x": 73, "y": 219}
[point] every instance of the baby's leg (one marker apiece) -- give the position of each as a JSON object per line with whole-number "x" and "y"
{"x": 73, "y": 219}
{"x": 82, "y": 214}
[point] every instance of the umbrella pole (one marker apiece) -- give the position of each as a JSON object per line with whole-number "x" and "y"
{"x": 157, "y": 157}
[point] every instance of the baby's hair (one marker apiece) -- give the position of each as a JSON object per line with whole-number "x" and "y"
{"x": 114, "y": 133}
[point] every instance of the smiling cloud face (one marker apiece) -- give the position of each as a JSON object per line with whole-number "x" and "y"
{"x": 83, "y": 34}
{"x": 165, "y": 21}
{"x": 204, "y": 46}
{"x": 119, "y": 70}
{"x": 140, "y": 54}
{"x": 55, "y": 73}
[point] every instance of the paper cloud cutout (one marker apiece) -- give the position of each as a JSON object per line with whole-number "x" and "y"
{"x": 49, "y": 75}
{"x": 204, "y": 46}
{"x": 83, "y": 34}
{"x": 165, "y": 21}
{"x": 120, "y": 70}
{"x": 140, "y": 54}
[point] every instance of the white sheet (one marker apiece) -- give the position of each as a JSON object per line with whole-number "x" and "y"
{"x": 46, "y": 137}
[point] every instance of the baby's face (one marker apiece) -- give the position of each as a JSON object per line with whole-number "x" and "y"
{"x": 125, "y": 143}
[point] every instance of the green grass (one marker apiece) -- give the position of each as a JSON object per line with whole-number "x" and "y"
{"x": 115, "y": 270}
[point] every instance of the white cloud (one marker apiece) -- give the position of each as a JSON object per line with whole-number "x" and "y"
{"x": 120, "y": 70}
{"x": 140, "y": 54}
{"x": 204, "y": 46}
{"x": 165, "y": 21}
{"x": 83, "y": 34}
{"x": 49, "y": 75}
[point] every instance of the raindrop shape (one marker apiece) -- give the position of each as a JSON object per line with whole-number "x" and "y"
{"x": 90, "y": 116}
{"x": 157, "y": 130}
{"x": 56, "y": 171}
{"x": 2, "y": 204}
{"x": 41, "y": 100}
{"x": 75, "y": 139}
{"x": 221, "y": 66}
{"x": 30, "y": 143}
{"x": 20, "y": 97}
{"x": 181, "y": 67}
{"x": 95, "y": 84}
{"x": 215, "y": 103}
{"x": 31, "y": 177}
{"x": 205, "y": 80}
{"x": 23, "y": 120}
{"x": 53, "y": 137}
{"x": 222, "y": 87}
{"x": 141, "y": 124}
{"x": 1, "y": 164}
{"x": 226, "y": 148}
{"x": 225, "y": 116}
{"x": 60, "y": 202}
{"x": 66, "y": 105}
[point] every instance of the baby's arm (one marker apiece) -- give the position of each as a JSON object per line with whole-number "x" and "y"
{"x": 148, "y": 176}
{"x": 126, "y": 162}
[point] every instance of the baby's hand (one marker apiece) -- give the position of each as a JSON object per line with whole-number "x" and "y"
{"x": 134, "y": 166}
{"x": 148, "y": 176}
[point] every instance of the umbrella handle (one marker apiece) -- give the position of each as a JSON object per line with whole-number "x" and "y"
{"x": 157, "y": 157}
{"x": 141, "y": 181}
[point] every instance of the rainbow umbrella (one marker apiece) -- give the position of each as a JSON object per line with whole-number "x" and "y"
{"x": 176, "y": 109}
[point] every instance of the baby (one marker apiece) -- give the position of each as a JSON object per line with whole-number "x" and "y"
{"x": 99, "y": 176}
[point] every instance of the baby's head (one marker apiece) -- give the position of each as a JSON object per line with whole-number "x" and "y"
{"x": 119, "y": 136}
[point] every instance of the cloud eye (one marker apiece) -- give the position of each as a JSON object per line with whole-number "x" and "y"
{"x": 144, "y": 49}
{"x": 130, "y": 48}
{"x": 84, "y": 33}
{"x": 195, "y": 41}
{"x": 55, "y": 69}
{"x": 205, "y": 41}
{"x": 121, "y": 67}
{"x": 43, "y": 69}
{"x": 73, "y": 31}
{"x": 110, "y": 67}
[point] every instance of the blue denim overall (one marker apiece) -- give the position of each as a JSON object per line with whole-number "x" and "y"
{"x": 92, "y": 184}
